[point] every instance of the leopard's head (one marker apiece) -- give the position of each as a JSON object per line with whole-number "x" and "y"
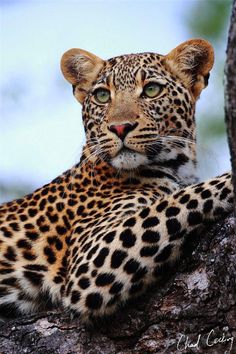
{"x": 138, "y": 109}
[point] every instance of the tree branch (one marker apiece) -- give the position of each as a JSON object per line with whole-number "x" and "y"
{"x": 230, "y": 95}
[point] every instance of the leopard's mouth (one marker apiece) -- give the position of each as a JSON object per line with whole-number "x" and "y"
{"x": 128, "y": 159}
{"x": 126, "y": 150}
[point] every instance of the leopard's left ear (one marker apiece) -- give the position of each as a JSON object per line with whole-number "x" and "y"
{"x": 192, "y": 61}
{"x": 80, "y": 68}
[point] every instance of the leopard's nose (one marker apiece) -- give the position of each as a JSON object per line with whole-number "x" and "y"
{"x": 121, "y": 130}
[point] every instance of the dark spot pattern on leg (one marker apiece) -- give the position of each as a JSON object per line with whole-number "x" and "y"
{"x": 104, "y": 279}
{"x": 131, "y": 266}
{"x": 128, "y": 238}
{"x": 194, "y": 218}
{"x": 75, "y": 296}
{"x": 173, "y": 226}
{"x": 150, "y": 222}
{"x": 117, "y": 258}
{"x": 116, "y": 288}
{"x": 94, "y": 301}
{"x": 151, "y": 236}
{"x": 164, "y": 254}
{"x": 148, "y": 251}
{"x": 100, "y": 259}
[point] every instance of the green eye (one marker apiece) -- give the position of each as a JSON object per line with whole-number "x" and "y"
{"x": 152, "y": 90}
{"x": 102, "y": 95}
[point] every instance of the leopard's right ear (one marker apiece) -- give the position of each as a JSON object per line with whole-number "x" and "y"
{"x": 80, "y": 68}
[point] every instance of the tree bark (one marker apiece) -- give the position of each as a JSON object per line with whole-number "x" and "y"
{"x": 230, "y": 95}
{"x": 194, "y": 307}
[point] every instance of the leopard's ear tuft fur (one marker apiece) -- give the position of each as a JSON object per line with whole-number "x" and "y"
{"x": 80, "y": 68}
{"x": 192, "y": 62}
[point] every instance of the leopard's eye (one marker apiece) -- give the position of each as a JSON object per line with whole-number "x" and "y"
{"x": 102, "y": 95}
{"x": 151, "y": 90}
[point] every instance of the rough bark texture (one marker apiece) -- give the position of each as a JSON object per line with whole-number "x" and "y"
{"x": 198, "y": 298}
{"x": 230, "y": 94}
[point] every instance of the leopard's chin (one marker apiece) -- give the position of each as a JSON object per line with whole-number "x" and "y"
{"x": 127, "y": 159}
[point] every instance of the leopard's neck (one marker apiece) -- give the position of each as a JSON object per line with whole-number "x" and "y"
{"x": 179, "y": 173}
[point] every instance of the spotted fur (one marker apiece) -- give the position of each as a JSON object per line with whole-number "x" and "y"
{"x": 103, "y": 231}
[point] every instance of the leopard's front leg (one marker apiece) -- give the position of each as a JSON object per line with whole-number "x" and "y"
{"x": 125, "y": 256}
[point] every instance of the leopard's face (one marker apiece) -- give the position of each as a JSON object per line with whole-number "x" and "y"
{"x": 136, "y": 113}
{"x": 138, "y": 109}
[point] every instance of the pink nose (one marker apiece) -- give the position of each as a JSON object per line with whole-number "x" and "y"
{"x": 122, "y": 130}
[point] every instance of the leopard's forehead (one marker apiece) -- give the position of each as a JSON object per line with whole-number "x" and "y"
{"x": 144, "y": 59}
{"x": 123, "y": 69}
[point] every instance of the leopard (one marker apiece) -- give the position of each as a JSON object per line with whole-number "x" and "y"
{"x": 101, "y": 233}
